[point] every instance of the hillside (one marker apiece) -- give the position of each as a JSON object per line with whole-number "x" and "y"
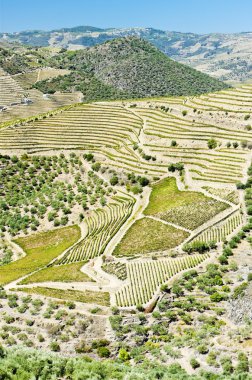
{"x": 224, "y": 56}
{"x": 128, "y": 67}
{"x": 126, "y": 234}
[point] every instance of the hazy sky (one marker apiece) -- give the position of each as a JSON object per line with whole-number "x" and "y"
{"x": 199, "y": 16}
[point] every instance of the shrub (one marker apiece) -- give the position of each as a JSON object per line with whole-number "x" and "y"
{"x": 100, "y": 343}
{"x": 88, "y": 157}
{"x": 218, "y": 297}
{"x": 41, "y": 338}
{"x": 243, "y": 364}
{"x": 194, "y": 363}
{"x": 156, "y": 315}
{"x": 143, "y": 181}
{"x": 244, "y": 144}
{"x": 250, "y": 276}
{"x": 240, "y": 186}
{"x": 140, "y": 307}
{"x": 198, "y": 246}
{"x": 177, "y": 289}
{"x": 212, "y": 144}
{"x": 239, "y": 291}
{"x": 81, "y": 347}
{"x": 114, "y": 180}
{"x": 29, "y": 322}
{"x": 123, "y": 355}
{"x": 2, "y": 352}
{"x": 223, "y": 260}
{"x": 173, "y": 167}
{"x": 202, "y": 349}
{"x": 71, "y": 305}
{"x": 103, "y": 352}
{"x": 54, "y": 346}
{"x": 96, "y": 166}
{"x": 164, "y": 287}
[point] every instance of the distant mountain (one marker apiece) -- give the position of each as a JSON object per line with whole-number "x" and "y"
{"x": 126, "y": 67}
{"x": 224, "y": 56}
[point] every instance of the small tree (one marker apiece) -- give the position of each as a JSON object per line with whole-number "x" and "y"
{"x": 114, "y": 180}
{"x": 89, "y": 156}
{"x": 54, "y": 346}
{"x": 143, "y": 181}
{"x": 194, "y": 363}
{"x": 96, "y": 166}
{"x": 212, "y": 144}
{"x": 123, "y": 355}
{"x": 103, "y": 352}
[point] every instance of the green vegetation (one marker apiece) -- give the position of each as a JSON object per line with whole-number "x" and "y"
{"x": 186, "y": 208}
{"x": 163, "y": 295}
{"x": 86, "y": 296}
{"x": 117, "y": 269}
{"x": 32, "y": 363}
{"x": 33, "y": 189}
{"x": 212, "y": 144}
{"x": 62, "y": 273}
{"x": 149, "y": 235}
{"x": 40, "y": 249}
{"x": 199, "y": 246}
{"x": 173, "y": 167}
{"x": 126, "y": 68}
{"x": 147, "y": 275}
{"x": 13, "y": 62}
{"x": 102, "y": 225}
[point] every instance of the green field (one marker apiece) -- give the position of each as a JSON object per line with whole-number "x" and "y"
{"x": 62, "y": 273}
{"x": 40, "y": 249}
{"x": 87, "y": 296}
{"x": 148, "y": 235}
{"x": 188, "y": 209}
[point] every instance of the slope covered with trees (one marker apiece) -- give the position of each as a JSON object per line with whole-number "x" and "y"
{"x": 126, "y": 67}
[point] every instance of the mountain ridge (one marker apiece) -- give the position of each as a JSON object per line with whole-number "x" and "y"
{"x": 127, "y": 67}
{"x": 225, "y": 56}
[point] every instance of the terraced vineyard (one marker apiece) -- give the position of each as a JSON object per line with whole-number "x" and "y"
{"x": 169, "y": 125}
{"x": 181, "y": 207}
{"x": 145, "y": 277}
{"x": 130, "y": 146}
{"x": 11, "y": 91}
{"x": 221, "y": 165}
{"x": 234, "y": 100}
{"x": 221, "y": 231}
{"x": 147, "y": 125}
{"x": 81, "y": 127}
{"x": 125, "y": 225}
{"x": 226, "y": 194}
{"x": 102, "y": 225}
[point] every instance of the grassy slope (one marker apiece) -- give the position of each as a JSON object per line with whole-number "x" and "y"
{"x": 87, "y": 296}
{"x": 165, "y": 195}
{"x": 40, "y": 249}
{"x": 127, "y": 67}
{"x": 181, "y": 207}
{"x": 62, "y": 273}
{"x": 148, "y": 235}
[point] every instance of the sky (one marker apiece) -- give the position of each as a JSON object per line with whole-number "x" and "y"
{"x": 198, "y": 16}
